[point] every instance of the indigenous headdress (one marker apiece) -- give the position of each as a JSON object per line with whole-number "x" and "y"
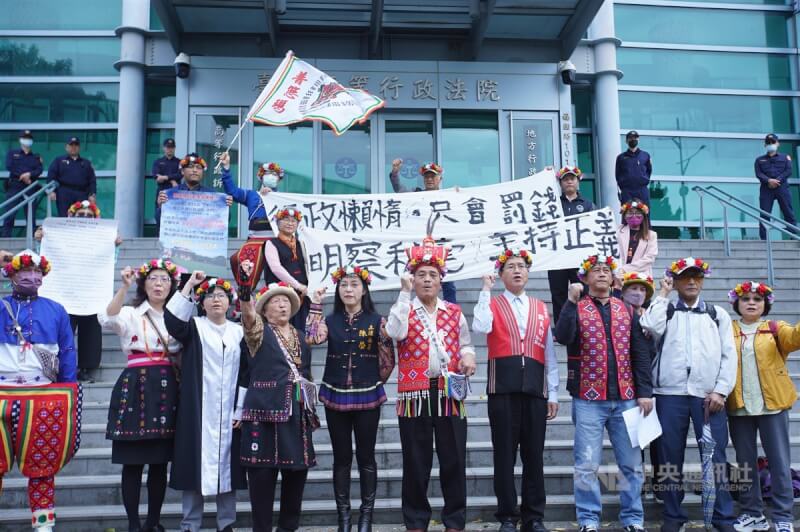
{"x": 569, "y": 170}
{"x": 193, "y": 158}
{"x": 270, "y": 168}
{"x": 431, "y": 167}
{"x": 343, "y": 271}
{"x": 275, "y": 289}
{"x": 26, "y": 259}
{"x": 202, "y": 291}
{"x": 630, "y": 278}
{"x": 158, "y": 264}
{"x": 754, "y": 287}
{"x": 85, "y": 204}
{"x": 428, "y": 254}
{"x": 283, "y": 213}
{"x": 642, "y": 206}
{"x": 593, "y": 260}
{"x": 689, "y": 263}
{"x": 507, "y": 254}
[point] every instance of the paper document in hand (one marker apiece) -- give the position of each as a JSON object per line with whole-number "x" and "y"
{"x": 297, "y": 91}
{"x": 642, "y": 430}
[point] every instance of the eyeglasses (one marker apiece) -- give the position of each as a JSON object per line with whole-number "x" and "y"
{"x": 217, "y": 295}
{"x": 163, "y": 279}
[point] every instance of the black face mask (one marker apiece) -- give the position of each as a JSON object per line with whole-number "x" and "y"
{"x": 632, "y": 143}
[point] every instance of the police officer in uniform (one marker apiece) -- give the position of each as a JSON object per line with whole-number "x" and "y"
{"x": 75, "y": 177}
{"x": 633, "y": 171}
{"x": 573, "y": 203}
{"x": 773, "y": 170}
{"x": 167, "y": 173}
{"x": 24, "y": 167}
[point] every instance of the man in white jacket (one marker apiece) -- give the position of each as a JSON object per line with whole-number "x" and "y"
{"x": 693, "y": 373}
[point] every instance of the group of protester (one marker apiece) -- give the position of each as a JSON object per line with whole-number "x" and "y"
{"x": 233, "y": 404}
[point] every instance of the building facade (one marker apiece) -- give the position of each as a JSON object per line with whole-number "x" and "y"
{"x": 472, "y": 84}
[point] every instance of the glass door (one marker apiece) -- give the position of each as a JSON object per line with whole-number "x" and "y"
{"x": 534, "y": 143}
{"x": 411, "y": 138}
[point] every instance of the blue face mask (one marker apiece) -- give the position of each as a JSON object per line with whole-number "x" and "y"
{"x": 27, "y": 143}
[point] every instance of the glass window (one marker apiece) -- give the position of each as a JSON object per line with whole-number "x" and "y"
{"x": 155, "y": 22}
{"x": 587, "y": 189}
{"x": 58, "y": 56}
{"x": 105, "y": 196}
{"x": 708, "y": 156}
{"x": 677, "y": 201}
{"x": 411, "y": 141}
{"x": 764, "y": 2}
{"x": 581, "y": 107}
{"x": 701, "y": 26}
{"x": 99, "y": 146}
{"x": 585, "y": 153}
{"x": 154, "y": 147}
{"x": 59, "y": 102}
{"x": 213, "y": 135}
{"x": 290, "y": 147}
{"x": 61, "y": 15}
{"x": 161, "y": 102}
{"x": 346, "y": 161}
{"x": 724, "y": 70}
{"x": 470, "y": 148}
{"x": 695, "y": 112}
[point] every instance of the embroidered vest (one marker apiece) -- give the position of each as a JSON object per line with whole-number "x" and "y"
{"x": 352, "y": 346}
{"x": 588, "y": 369}
{"x": 413, "y": 352}
{"x": 296, "y": 268}
{"x": 517, "y": 364}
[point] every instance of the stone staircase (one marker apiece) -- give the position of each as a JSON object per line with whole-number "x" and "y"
{"x": 88, "y": 490}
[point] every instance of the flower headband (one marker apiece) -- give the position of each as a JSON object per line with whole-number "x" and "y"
{"x": 634, "y": 277}
{"x": 158, "y": 264}
{"x": 574, "y": 170}
{"x": 272, "y": 168}
{"x": 283, "y": 213}
{"x": 751, "y": 287}
{"x": 26, "y": 260}
{"x": 343, "y": 271}
{"x": 201, "y": 291}
{"x": 430, "y": 167}
{"x": 272, "y": 286}
{"x": 593, "y": 261}
{"x": 681, "y": 265}
{"x": 85, "y": 204}
{"x": 193, "y": 159}
{"x": 634, "y": 205}
{"x": 507, "y": 254}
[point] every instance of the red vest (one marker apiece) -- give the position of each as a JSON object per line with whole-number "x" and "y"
{"x": 505, "y": 341}
{"x": 592, "y": 360}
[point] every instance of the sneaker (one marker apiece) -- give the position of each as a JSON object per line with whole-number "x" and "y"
{"x": 785, "y": 526}
{"x": 748, "y": 523}
{"x": 634, "y": 528}
{"x": 588, "y": 528}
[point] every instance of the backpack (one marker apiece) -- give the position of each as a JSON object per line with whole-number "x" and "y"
{"x": 711, "y": 310}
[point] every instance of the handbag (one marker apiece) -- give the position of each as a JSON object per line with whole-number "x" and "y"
{"x": 456, "y": 385}
{"x": 47, "y": 359}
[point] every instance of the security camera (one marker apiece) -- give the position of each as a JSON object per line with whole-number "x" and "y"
{"x": 183, "y": 65}
{"x": 567, "y": 71}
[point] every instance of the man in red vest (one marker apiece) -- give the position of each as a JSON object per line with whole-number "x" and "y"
{"x": 434, "y": 352}
{"x": 522, "y": 388}
{"x": 608, "y": 372}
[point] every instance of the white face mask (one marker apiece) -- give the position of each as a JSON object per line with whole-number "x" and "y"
{"x": 772, "y": 148}
{"x": 27, "y": 143}
{"x": 270, "y": 180}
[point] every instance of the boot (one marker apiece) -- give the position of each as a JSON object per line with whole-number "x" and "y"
{"x": 369, "y": 485}
{"x": 341, "y": 492}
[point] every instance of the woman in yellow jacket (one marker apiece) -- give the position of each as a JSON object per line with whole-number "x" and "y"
{"x": 760, "y": 402}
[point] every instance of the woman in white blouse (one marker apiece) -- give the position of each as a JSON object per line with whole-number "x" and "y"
{"x": 141, "y": 415}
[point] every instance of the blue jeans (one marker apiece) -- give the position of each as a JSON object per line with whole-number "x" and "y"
{"x": 674, "y": 413}
{"x": 590, "y": 418}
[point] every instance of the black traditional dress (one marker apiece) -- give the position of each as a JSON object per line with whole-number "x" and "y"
{"x": 144, "y": 401}
{"x": 206, "y": 444}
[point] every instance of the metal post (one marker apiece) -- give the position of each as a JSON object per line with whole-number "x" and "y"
{"x": 29, "y": 225}
{"x": 770, "y": 266}
{"x": 727, "y": 234}
{"x": 702, "y": 217}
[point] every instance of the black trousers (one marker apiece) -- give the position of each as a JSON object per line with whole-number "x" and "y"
{"x": 559, "y": 288}
{"x": 261, "y": 482}
{"x": 342, "y": 426}
{"x": 416, "y": 437}
{"x": 518, "y": 422}
{"x": 299, "y": 319}
{"x": 90, "y": 340}
{"x": 66, "y": 197}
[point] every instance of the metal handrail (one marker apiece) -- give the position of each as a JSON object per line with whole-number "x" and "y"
{"x": 725, "y": 200}
{"x": 28, "y": 200}
{"x": 740, "y": 201}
